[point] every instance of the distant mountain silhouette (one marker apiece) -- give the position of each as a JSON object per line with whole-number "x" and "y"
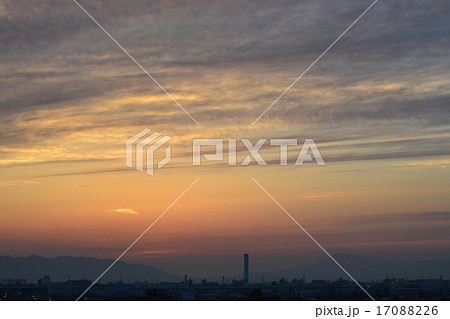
{"x": 361, "y": 268}
{"x": 34, "y": 267}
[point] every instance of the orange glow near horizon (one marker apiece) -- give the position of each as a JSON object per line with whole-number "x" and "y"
{"x": 377, "y": 109}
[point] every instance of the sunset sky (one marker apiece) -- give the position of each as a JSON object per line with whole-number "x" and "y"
{"x": 377, "y": 105}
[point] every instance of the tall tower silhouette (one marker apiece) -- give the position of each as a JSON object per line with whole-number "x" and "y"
{"x": 245, "y": 269}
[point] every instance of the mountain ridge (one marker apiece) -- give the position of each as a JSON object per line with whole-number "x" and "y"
{"x": 59, "y": 268}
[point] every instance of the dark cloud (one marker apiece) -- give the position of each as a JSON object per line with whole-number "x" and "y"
{"x": 417, "y": 226}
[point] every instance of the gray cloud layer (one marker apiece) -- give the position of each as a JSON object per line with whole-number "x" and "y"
{"x": 387, "y": 77}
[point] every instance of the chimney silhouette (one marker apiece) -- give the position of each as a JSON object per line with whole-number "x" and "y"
{"x": 245, "y": 269}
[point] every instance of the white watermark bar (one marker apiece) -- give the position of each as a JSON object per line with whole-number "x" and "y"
{"x": 226, "y": 309}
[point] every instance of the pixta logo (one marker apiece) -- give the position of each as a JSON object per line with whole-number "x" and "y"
{"x": 144, "y": 143}
{"x": 253, "y": 150}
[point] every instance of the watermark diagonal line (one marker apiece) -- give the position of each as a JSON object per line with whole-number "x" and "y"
{"x": 137, "y": 63}
{"x": 312, "y": 238}
{"x": 314, "y": 62}
{"x": 137, "y": 239}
